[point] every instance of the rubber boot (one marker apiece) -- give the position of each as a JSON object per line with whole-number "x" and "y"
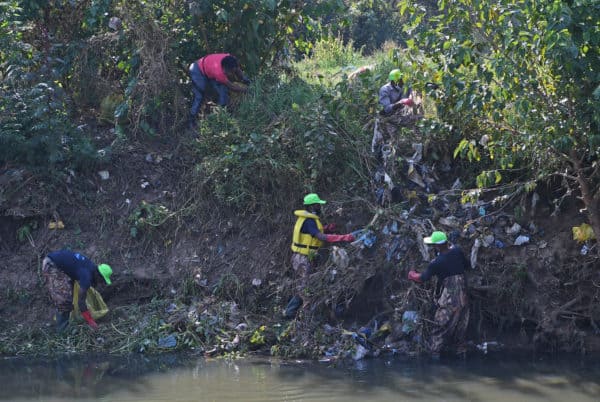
{"x": 292, "y": 307}
{"x": 62, "y": 320}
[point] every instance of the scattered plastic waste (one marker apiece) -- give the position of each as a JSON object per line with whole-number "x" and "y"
{"x": 522, "y": 239}
{"x": 410, "y": 320}
{"x": 474, "y": 251}
{"x": 104, "y": 175}
{"x": 368, "y": 239}
{"x": 487, "y": 346}
{"x": 457, "y": 185}
{"x": 488, "y": 240}
{"x": 499, "y": 244}
{"x": 241, "y": 326}
{"x": 167, "y": 342}
{"x": 418, "y": 155}
{"x": 394, "y": 227}
{"x": 391, "y": 250}
{"x": 482, "y": 211}
{"x": 256, "y": 282}
{"x": 451, "y": 221}
{"x": 171, "y": 308}
{"x": 56, "y": 225}
{"x": 584, "y": 250}
{"x": 514, "y": 229}
{"x": 365, "y": 331}
{"x": 583, "y": 233}
{"x": 340, "y": 257}
{"x": 360, "y": 352}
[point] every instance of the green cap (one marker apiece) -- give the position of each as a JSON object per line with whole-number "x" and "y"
{"x": 395, "y": 75}
{"x": 436, "y": 238}
{"x": 313, "y": 198}
{"x": 106, "y": 271}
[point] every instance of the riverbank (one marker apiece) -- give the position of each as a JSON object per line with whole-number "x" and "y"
{"x": 216, "y": 282}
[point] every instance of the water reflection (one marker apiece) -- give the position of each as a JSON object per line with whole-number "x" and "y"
{"x": 181, "y": 378}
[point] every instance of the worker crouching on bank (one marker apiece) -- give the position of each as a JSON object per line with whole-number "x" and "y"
{"x": 60, "y": 270}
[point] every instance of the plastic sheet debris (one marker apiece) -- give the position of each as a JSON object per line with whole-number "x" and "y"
{"x": 256, "y": 282}
{"x": 392, "y": 248}
{"x": 340, "y": 257}
{"x": 583, "y": 233}
{"x": 167, "y": 342}
{"x": 584, "y": 250}
{"x": 410, "y": 319}
{"x": 360, "y": 352}
{"x": 499, "y": 244}
{"x": 474, "y": 251}
{"x": 56, "y": 225}
{"x": 487, "y": 240}
{"x": 367, "y": 238}
{"x": 485, "y": 347}
{"x": 418, "y": 155}
{"x": 522, "y": 239}
{"x": 414, "y": 176}
{"x": 514, "y": 229}
{"x": 104, "y": 175}
{"x": 451, "y": 221}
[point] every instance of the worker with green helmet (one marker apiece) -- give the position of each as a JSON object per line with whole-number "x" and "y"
{"x": 60, "y": 269}
{"x": 308, "y": 236}
{"x": 395, "y": 95}
{"x": 452, "y": 314}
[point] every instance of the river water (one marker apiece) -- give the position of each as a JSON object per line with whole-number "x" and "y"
{"x": 180, "y": 378}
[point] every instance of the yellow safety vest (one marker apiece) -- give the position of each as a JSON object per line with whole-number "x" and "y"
{"x": 304, "y": 243}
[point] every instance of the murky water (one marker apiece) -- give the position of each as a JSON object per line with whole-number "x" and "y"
{"x": 177, "y": 378}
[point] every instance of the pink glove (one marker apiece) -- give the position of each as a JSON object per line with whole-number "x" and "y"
{"x": 329, "y": 228}
{"x": 414, "y": 276}
{"x": 333, "y": 238}
{"x": 88, "y": 318}
{"x": 407, "y": 102}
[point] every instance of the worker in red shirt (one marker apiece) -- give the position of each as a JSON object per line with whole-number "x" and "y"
{"x": 220, "y": 70}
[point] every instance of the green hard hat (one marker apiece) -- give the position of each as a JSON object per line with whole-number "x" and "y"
{"x": 313, "y": 198}
{"x": 395, "y": 75}
{"x": 106, "y": 271}
{"x": 436, "y": 238}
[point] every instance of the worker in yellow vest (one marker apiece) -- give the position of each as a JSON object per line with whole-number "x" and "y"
{"x": 308, "y": 236}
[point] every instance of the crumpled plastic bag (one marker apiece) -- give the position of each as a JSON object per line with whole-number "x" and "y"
{"x": 340, "y": 257}
{"x": 583, "y": 233}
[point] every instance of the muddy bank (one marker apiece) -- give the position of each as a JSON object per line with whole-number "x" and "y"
{"x": 212, "y": 282}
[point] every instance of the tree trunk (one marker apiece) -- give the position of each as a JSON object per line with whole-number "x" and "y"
{"x": 590, "y": 203}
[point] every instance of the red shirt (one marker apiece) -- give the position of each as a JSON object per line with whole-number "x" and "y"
{"x": 210, "y": 66}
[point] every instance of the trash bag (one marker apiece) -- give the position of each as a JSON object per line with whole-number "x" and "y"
{"x": 94, "y": 301}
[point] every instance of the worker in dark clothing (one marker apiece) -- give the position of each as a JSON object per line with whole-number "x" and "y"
{"x": 60, "y": 269}
{"x": 452, "y": 315}
{"x": 308, "y": 236}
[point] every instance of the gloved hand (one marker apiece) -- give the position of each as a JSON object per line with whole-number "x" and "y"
{"x": 333, "y": 238}
{"x": 88, "y": 318}
{"x": 407, "y": 102}
{"x": 414, "y": 276}
{"x": 329, "y": 228}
